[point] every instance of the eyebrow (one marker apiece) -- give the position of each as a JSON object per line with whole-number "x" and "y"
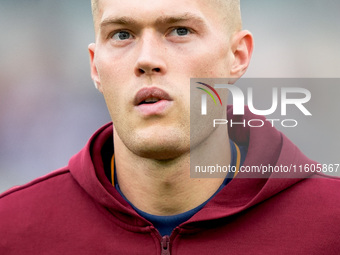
{"x": 124, "y": 20}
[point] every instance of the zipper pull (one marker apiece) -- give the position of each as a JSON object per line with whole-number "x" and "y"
{"x": 165, "y": 245}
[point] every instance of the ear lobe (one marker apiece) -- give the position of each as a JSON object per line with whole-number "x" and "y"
{"x": 242, "y": 48}
{"x": 94, "y": 72}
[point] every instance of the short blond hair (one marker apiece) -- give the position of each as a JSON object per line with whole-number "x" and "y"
{"x": 94, "y": 7}
{"x": 231, "y": 13}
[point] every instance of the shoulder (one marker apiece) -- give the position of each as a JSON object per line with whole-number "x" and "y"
{"x": 53, "y": 207}
{"x": 34, "y": 186}
{"x": 37, "y": 195}
{"x": 36, "y": 210}
{"x": 322, "y": 185}
{"x": 314, "y": 200}
{"x": 319, "y": 194}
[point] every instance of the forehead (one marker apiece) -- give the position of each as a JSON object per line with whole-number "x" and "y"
{"x": 149, "y": 11}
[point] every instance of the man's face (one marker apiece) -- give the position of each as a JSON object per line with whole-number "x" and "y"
{"x": 144, "y": 56}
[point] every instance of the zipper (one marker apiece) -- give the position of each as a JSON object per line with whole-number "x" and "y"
{"x": 165, "y": 245}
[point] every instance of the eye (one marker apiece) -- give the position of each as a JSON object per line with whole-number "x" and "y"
{"x": 121, "y": 36}
{"x": 180, "y": 31}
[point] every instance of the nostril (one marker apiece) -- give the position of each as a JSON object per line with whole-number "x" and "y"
{"x": 148, "y": 71}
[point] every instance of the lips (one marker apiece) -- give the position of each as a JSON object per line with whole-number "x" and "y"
{"x": 150, "y": 95}
{"x": 152, "y": 101}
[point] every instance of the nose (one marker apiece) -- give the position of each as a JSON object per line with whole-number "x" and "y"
{"x": 151, "y": 55}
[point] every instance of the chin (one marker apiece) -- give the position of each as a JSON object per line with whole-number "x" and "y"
{"x": 164, "y": 147}
{"x": 159, "y": 142}
{"x": 161, "y": 154}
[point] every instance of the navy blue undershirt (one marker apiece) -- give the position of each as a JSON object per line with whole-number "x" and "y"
{"x": 165, "y": 224}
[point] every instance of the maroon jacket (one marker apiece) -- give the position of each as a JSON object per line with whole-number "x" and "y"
{"x": 75, "y": 210}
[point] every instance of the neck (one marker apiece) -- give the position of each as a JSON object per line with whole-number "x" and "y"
{"x": 164, "y": 187}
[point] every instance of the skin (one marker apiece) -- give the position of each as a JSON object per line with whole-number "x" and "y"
{"x": 139, "y": 44}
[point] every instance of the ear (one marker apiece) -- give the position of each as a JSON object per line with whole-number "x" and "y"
{"x": 242, "y": 48}
{"x": 94, "y": 72}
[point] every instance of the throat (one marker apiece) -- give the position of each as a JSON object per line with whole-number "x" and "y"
{"x": 165, "y": 194}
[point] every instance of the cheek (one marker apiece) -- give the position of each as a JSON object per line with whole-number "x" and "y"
{"x": 113, "y": 64}
{"x": 210, "y": 64}
{"x": 113, "y": 94}
{"x": 112, "y": 77}
{"x": 111, "y": 102}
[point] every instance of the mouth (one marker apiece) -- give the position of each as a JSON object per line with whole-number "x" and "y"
{"x": 152, "y": 101}
{"x": 150, "y": 96}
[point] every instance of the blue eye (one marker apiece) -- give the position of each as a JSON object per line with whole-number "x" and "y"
{"x": 180, "y": 31}
{"x": 121, "y": 36}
